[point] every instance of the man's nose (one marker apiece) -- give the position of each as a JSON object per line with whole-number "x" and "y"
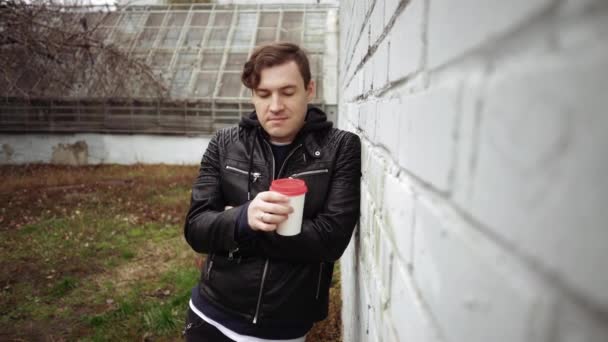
{"x": 276, "y": 103}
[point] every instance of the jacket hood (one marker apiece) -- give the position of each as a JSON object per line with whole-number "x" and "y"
{"x": 315, "y": 120}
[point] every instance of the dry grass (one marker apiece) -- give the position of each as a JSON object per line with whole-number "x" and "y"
{"x": 96, "y": 253}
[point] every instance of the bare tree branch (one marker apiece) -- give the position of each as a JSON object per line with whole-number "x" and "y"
{"x": 53, "y": 50}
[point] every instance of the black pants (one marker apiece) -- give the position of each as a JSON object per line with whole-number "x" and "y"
{"x": 198, "y": 330}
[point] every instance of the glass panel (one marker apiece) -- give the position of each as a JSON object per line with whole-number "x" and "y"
{"x": 293, "y": 36}
{"x": 292, "y": 19}
{"x": 319, "y": 90}
{"x": 246, "y": 20}
{"x": 269, "y": 19}
{"x": 222, "y": 19}
{"x": 194, "y": 37}
{"x": 123, "y": 39}
{"x": 242, "y": 37}
{"x": 265, "y": 35}
{"x": 315, "y": 24}
{"x": 130, "y": 22}
{"x": 205, "y": 84}
{"x": 162, "y": 59}
{"x": 316, "y": 64}
{"x": 245, "y": 92}
{"x": 211, "y": 60}
{"x": 177, "y": 19}
{"x": 231, "y": 85}
{"x": 199, "y": 19}
{"x": 102, "y": 34}
{"x": 111, "y": 19}
{"x": 146, "y": 39}
{"x": 235, "y": 61}
{"x": 155, "y": 19}
{"x": 315, "y": 19}
{"x": 314, "y": 42}
{"x": 169, "y": 37}
{"x": 180, "y": 83}
{"x": 186, "y": 60}
{"x": 217, "y": 37}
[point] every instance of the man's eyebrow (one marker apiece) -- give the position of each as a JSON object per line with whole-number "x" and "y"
{"x": 289, "y": 86}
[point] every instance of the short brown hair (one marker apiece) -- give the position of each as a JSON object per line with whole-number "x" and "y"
{"x": 273, "y": 54}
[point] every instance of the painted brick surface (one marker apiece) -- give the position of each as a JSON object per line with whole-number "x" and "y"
{"x": 483, "y": 204}
{"x": 406, "y": 41}
{"x": 426, "y": 123}
{"x": 470, "y": 301}
{"x": 539, "y": 125}
{"x": 458, "y": 26}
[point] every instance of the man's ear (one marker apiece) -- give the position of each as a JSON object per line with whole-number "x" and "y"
{"x": 310, "y": 90}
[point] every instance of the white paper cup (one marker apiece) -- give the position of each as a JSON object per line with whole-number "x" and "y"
{"x": 296, "y": 190}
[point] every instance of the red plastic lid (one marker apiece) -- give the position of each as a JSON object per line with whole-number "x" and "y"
{"x": 289, "y": 186}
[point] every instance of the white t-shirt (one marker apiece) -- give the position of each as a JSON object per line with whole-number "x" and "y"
{"x": 236, "y": 336}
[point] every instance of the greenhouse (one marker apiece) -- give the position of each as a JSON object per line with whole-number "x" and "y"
{"x": 195, "y": 51}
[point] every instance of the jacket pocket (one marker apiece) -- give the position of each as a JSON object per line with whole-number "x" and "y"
{"x": 228, "y": 277}
{"x": 254, "y": 175}
{"x": 309, "y": 173}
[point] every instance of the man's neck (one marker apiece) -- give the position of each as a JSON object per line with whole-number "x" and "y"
{"x": 280, "y": 143}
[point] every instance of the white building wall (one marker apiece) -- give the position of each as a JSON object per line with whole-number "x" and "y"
{"x": 83, "y": 149}
{"x": 485, "y": 190}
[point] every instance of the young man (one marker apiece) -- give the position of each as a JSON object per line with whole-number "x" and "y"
{"x": 257, "y": 285}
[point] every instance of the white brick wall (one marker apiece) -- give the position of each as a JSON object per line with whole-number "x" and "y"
{"x": 484, "y": 207}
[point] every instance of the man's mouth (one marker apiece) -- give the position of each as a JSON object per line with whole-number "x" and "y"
{"x": 277, "y": 119}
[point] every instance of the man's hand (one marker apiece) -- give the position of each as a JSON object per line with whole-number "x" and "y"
{"x": 267, "y": 210}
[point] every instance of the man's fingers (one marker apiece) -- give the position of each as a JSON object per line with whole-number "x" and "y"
{"x": 272, "y": 218}
{"x": 272, "y": 196}
{"x": 275, "y": 208}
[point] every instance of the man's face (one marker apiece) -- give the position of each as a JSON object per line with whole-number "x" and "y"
{"x": 281, "y": 101}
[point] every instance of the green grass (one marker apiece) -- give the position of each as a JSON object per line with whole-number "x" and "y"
{"x": 76, "y": 267}
{"x": 97, "y": 254}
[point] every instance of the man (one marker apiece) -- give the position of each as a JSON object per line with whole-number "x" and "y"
{"x": 257, "y": 285}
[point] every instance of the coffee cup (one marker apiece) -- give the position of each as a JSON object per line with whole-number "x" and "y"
{"x": 296, "y": 190}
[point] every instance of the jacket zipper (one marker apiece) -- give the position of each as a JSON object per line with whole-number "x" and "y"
{"x": 257, "y": 308}
{"x": 319, "y": 281}
{"x": 210, "y": 266}
{"x": 259, "y": 304}
{"x": 255, "y": 175}
{"x": 307, "y": 173}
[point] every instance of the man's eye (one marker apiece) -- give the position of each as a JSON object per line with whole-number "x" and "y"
{"x": 263, "y": 95}
{"x": 290, "y": 93}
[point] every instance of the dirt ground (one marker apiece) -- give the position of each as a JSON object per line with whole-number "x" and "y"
{"x": 96, "y": 253}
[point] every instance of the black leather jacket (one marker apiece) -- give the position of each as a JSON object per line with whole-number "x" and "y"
{"x": 272, "y": 278}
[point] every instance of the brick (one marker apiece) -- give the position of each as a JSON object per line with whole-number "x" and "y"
{"x": 540, "y": 176}
{"x": 367, "y": 119}
{"x": 347, "y": 288}
{"x": 456, "y": 27}
{"x": 465, "y": 139}
{"x": 385, "y": 264}
{"x": 469, "y": 300}
{"x": 427, "y": 123}
{"x": 377, "y": 173}
{"x": 406, "y": 47}
{"x": 390, "y": 7}
{"x": 387, "y": 132}
{"x": 574, "y": 323}
{"x": 398, "y": 214}
{"x": 380, "y": 65}
{"x": 410, "y": 320}
{"x": 377, "y": 21}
